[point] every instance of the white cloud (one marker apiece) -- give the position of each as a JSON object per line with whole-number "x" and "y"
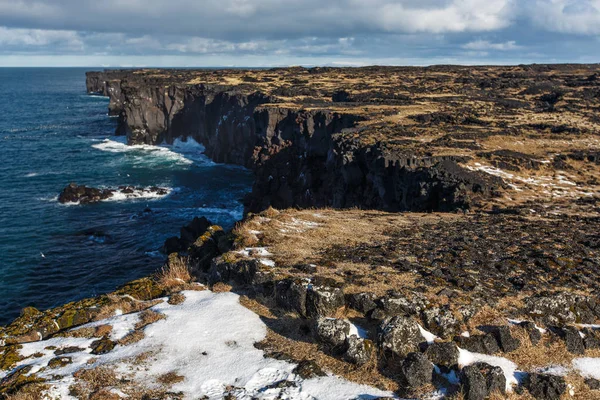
{"x": 484, "y": 45}
{"x": 39, "y": 38}
{"x": 566, "y": 16}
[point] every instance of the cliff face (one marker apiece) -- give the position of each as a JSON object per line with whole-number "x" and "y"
{"x": 302, "y": 156}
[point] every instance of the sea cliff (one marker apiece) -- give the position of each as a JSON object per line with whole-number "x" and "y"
{"x": 411, "y": 233}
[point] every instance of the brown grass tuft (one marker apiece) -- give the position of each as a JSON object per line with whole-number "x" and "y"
{"x": 94, "y": 332}
{"x": 175, "y": 273}
{"x": 176, "y": 298}
{"x": 148, "y": 317}
{"x": 132, "y": 337}
{"x": 221, "y": 287}
{"x": 170, "y": 378}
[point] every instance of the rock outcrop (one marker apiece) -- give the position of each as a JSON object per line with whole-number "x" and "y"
{"x": 74, "y": 193}
{"x": 303, "y": 157}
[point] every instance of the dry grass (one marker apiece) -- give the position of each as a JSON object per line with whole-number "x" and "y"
{"x": 175, "y": 273}
{"x": 32, "y": 391}
{"x": 92, "y": 380}
{"x": 549, "y": 351}
{"x": 221, "y": 287}
{"x": 90, "y": 332}
{"x": 124, "y": 304}
{"x": 132, "y": 337}
{"x": 169, "y": 379}
{"x": 176, "y": 298}
{"x": 148, "y": 317}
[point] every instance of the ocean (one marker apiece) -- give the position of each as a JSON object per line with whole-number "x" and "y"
{"x": 53, "y": 133}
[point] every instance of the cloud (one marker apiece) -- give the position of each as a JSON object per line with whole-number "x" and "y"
{"x": 567, "y": 16}
{"x": 306, "y": 31}
{"x": 484, "y": 45}
{"x": 36, "y": 38}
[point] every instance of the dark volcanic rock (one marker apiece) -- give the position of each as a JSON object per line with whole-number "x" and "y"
{"x": 481, "y": 380}
{"x": 323, "y": 299}
{"x": 573, "y": 339}
{"x": 416, "y": 370}
{"x": 443, "y": 354}
{"x": 592, "y": 383}
{"x": 308, "y": 369}
{"x": 360, "y": 350}
{"x": 505, "y": 339}
{"x": 441, "y": 321}
{"x": 290, "y": 294}
{"x": 400, "y": 336}
{"x": 484, "y": 344}
{"x": 82, "y": 194}
{"x": 363, "y": 302}
{"x": 333, "y": 333}
{"x": 74, "y": 193}
{"x": 546, "y": 387}
{"x": 534, "y": 333}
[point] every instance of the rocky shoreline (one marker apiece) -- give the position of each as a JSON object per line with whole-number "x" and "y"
{"x": 81, "y": 194}
{"x": 428, "y": 232}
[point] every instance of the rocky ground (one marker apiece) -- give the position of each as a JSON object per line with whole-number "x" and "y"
{"x": 412, "y": 233}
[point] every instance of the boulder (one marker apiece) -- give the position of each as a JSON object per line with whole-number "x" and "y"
{"x": 332, "y": 333}
{"x": 546, "y": 387}
{"x": 443, "y": 354}
{"x": 360, "y": 350}
{"x": 363, "y": 302}
{"x": 481, "y": 380}
{"x": 323, "y": 300}
{"x": 290, "y": 294}
{"x": 484, "y": 344}
{"x": 399, "y": 335}
{"x": 591, "y": 338}
{"x": 505, "y": 339}
{"x": 441, "y": 321}
{"x": 416, "y": 370}
{"x": 308, "y": 369}
{"x": 573, "y": 339}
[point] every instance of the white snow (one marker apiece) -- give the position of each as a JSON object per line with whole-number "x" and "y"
{"x": 267, "y": 262}
{"x": 557, "y": 370}
{"x": 508, "y": 367}
{"x": 518, "y": 321}
{"x": 209, "y": 340}
{"x": 428, "y": 336}
{"x": 358, "y": 331}
{"x": 255, "y": 251}
{"x": 588, "y": 367}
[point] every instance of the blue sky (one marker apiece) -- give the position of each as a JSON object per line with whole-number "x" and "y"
{"x": 296, "y": 32}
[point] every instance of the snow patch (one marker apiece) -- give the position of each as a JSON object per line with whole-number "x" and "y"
{"x": 428, "y": 336}
{"x": 209, "y": 340}
{"x": 588, "y": 367}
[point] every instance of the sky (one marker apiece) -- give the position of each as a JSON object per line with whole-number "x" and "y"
{"x": 261, "y": 33}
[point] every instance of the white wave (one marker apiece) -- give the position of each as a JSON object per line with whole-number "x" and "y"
{"x": 143, "y": 193}
{"x": 31, "y": 174}
{"x": 180, "y": 153}
{"x": 97, "y": 96}
{"x": 52, "y": 199}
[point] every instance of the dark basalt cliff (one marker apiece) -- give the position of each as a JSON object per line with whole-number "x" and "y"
{"x": 302, "y": 156}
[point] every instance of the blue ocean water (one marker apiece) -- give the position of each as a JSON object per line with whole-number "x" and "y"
{"x": 53, "y": 133}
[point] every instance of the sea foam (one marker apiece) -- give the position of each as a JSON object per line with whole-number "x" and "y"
{"x": 180, "y": 152}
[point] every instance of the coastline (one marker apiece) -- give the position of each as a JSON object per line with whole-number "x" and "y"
{"x": 441, "y": 287}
